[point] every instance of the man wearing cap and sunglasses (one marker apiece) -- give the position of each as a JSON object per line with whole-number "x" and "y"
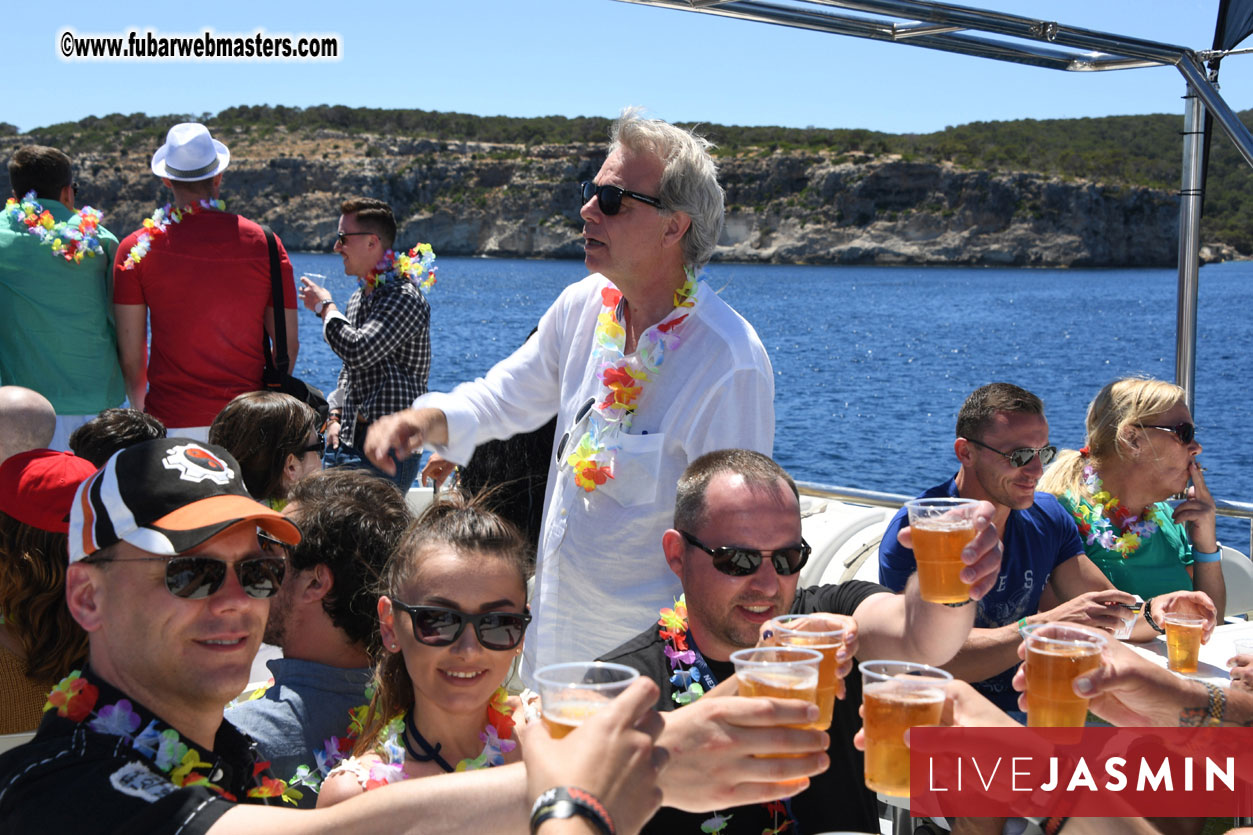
{"x": 204, "y": 279}
{"x": 646, "y": 369}
{"x": 170, "y": 580}
{"x": 736, "y": 545}
{"x": 1003, "y": 446}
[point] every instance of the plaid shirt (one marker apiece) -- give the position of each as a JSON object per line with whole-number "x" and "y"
{"x": 384, "y": 339}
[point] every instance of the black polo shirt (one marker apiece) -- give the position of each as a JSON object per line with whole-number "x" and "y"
{"x": 837, "y": 798}
{"x": 101, "y": 762}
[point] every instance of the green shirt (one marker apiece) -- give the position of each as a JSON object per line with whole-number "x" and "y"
{"x": 1156, "y": 567}
{"x": 57, "y": 334}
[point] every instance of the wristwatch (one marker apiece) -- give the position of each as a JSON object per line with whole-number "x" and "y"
{"x": 321, "y": 305}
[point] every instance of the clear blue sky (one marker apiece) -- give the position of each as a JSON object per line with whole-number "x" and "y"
{"x": 589, "y": 57}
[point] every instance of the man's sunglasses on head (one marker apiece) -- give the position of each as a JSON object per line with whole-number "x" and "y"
{"x": 1022, "y": 456}
{"x": 437, "y": 626}
{"x": 739, "y": 562}
{"x": 610, "y": 197}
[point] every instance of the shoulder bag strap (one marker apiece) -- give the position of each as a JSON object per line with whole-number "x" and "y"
{"x": 280, "y": 360}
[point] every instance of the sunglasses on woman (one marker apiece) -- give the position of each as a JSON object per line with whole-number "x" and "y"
{"x": 437, "y": 626}
{"x": 196, "y": 577}
{"x": 1185, "y": 432}
{"x": 740, "y": 562}
{"x": 610, "y": 197}
{"x": 1022, "y": 456}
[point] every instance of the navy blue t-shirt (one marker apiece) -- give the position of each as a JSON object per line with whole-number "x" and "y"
{"x": 1035, "y": 542}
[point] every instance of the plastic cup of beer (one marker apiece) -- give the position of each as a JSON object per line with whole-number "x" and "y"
{"x": 778, "y": 673}
{"x": 897, "y": 696}
{"x": 572, "y": 692}
{"x": 814, "y": 633}
{"x": 941, "y": 528}
{"x": 1183, "y": 642}
{"x": 1056, "y": 654}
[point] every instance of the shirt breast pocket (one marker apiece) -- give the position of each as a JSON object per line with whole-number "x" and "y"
{"x": 636, "y": 470}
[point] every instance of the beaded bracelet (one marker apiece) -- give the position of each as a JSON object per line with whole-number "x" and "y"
{"x": 1148, "y": 617}
{"x": 965, "y": 602}
{"x": 567, "y": 801}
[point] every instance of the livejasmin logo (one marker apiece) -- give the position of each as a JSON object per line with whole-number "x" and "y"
{"x": 1081, "y": 772}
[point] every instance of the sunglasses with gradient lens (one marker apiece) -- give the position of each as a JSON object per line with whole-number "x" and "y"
{"x": 437, "y": 626}
{"x": 1185, "y": 432}
{"x": 195, "y": 578}
{"x": 1022, "y": 456}
{"x": 740, "y": 562}
{"x": 610, "y": 197}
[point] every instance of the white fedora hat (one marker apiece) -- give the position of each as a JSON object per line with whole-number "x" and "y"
{"x": 190, "y": 154}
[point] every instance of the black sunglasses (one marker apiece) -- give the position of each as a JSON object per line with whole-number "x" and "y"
{"x": 610, "y": 197}
{"x": 739, "y": 562}
{"x": 342, "y": 237}
{"x": 1022, "y": 456}
{"x": 195, "y": 578}
{"x": 318, "y": 446}
{"x": 437, "y": 626}
{"x": 1185, "y": 432}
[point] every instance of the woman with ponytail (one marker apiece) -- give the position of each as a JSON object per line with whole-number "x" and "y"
{"x": 452, "y": 613}
{"x": 1141, "y": 450}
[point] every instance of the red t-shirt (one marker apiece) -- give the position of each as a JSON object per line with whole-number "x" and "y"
{"x": 206, "y": 283}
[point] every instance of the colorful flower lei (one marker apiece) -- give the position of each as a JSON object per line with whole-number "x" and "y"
{"x": 157, "y": 225}
{"x": 622, "y": 381}
{"x": 1105, "y": 522}
{"x": 412, "y": 265}
{"x": 72, "y": 241}
{"x": 687, "y": 689}
{"x": 75, "y": 698}
{"x": 497, "y": 737}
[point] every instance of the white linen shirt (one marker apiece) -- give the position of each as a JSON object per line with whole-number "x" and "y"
{"x": 601, "y": 575}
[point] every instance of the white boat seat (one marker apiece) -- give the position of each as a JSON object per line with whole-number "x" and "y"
{"x": 418, "y": 498}
{"x": 8, "y": 741}
{"x": 834, "y": 530}
{"x": 1238, "y": 576}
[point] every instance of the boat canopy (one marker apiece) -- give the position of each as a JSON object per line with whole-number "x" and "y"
{"x": 1051, "y": 45}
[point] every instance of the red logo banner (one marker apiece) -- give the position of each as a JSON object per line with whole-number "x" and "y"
{"x": 1081, "y": 772}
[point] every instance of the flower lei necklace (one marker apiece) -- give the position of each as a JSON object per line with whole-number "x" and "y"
{"x": 157, "y": 225}
{"x": 1106, "y": 522}
{"x": 622, "y": 380}
{"x": 72, "y": 241}
{"x": 74, "y": 697}
{"x": 674, "y": 630}
{"x": 411, "y": 265}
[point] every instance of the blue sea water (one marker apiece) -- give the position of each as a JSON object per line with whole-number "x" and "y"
{"x": 872, "y": 363}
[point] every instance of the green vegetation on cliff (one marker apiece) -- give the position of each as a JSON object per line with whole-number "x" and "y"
{"x": 1116, "y": 150}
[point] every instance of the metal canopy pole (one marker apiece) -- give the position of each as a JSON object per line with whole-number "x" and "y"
{"x": 1190, "y": 196}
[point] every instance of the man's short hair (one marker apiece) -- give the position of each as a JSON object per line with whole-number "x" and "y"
{"x": 372, "y": 216}
{"x": 759, "y": 471}
{"x": 689, "y": 178}
{"x": 111, "y": 430}
{"x": 40, "y": 169}
{"x": 986, "y": 401}
{"x": 351, "y": 521}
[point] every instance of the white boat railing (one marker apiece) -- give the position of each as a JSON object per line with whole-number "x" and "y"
{"x": 874, "y": 498}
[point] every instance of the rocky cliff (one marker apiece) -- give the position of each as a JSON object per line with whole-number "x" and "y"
{"x": 469, "y": 198}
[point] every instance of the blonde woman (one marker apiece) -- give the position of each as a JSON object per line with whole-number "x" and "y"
{"x": 1141, "y": 449}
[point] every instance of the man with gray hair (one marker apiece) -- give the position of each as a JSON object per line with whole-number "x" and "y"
{"x": 27, "y": 421}
{"x": 627, "y": 423}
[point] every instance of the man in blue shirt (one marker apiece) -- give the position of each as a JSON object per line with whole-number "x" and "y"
{"x": 323, "y": 618}
{"x": 1002, "y": 445}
